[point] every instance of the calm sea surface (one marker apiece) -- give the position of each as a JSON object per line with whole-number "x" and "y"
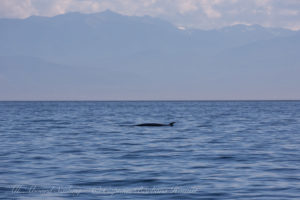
{"x": 91, "y": 150}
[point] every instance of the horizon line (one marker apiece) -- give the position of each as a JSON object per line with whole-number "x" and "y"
{"x": 149, "y": 100}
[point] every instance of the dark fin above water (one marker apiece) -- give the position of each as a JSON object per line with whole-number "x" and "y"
{"x": 172, "y": 123}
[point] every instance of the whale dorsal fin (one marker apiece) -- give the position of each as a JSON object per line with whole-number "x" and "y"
{"x": 172, "y": 123}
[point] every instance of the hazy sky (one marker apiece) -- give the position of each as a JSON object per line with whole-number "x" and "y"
{"x": 204, "y": 14}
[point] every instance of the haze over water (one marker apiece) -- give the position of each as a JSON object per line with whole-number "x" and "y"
{"x": 90, "y": 150}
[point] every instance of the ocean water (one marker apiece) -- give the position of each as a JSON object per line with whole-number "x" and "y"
{"x": 91, "y": 150}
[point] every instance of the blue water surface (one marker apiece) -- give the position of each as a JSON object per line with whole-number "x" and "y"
{"x": 91, "y": 150}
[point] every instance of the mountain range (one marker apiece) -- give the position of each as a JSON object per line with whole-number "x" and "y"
{"x": 108, "y": 56}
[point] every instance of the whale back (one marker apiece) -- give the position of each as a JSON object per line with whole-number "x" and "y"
{"x": 155, "y": 124}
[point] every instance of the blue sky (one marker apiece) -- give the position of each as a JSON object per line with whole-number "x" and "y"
{"x": 203, "y": 14}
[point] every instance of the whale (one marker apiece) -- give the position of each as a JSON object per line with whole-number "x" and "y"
{"x": 156, "y": 124}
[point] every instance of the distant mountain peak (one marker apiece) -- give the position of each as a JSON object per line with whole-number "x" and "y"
{"x": 109, "y": 12}
{"x": 241, "y": 27}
